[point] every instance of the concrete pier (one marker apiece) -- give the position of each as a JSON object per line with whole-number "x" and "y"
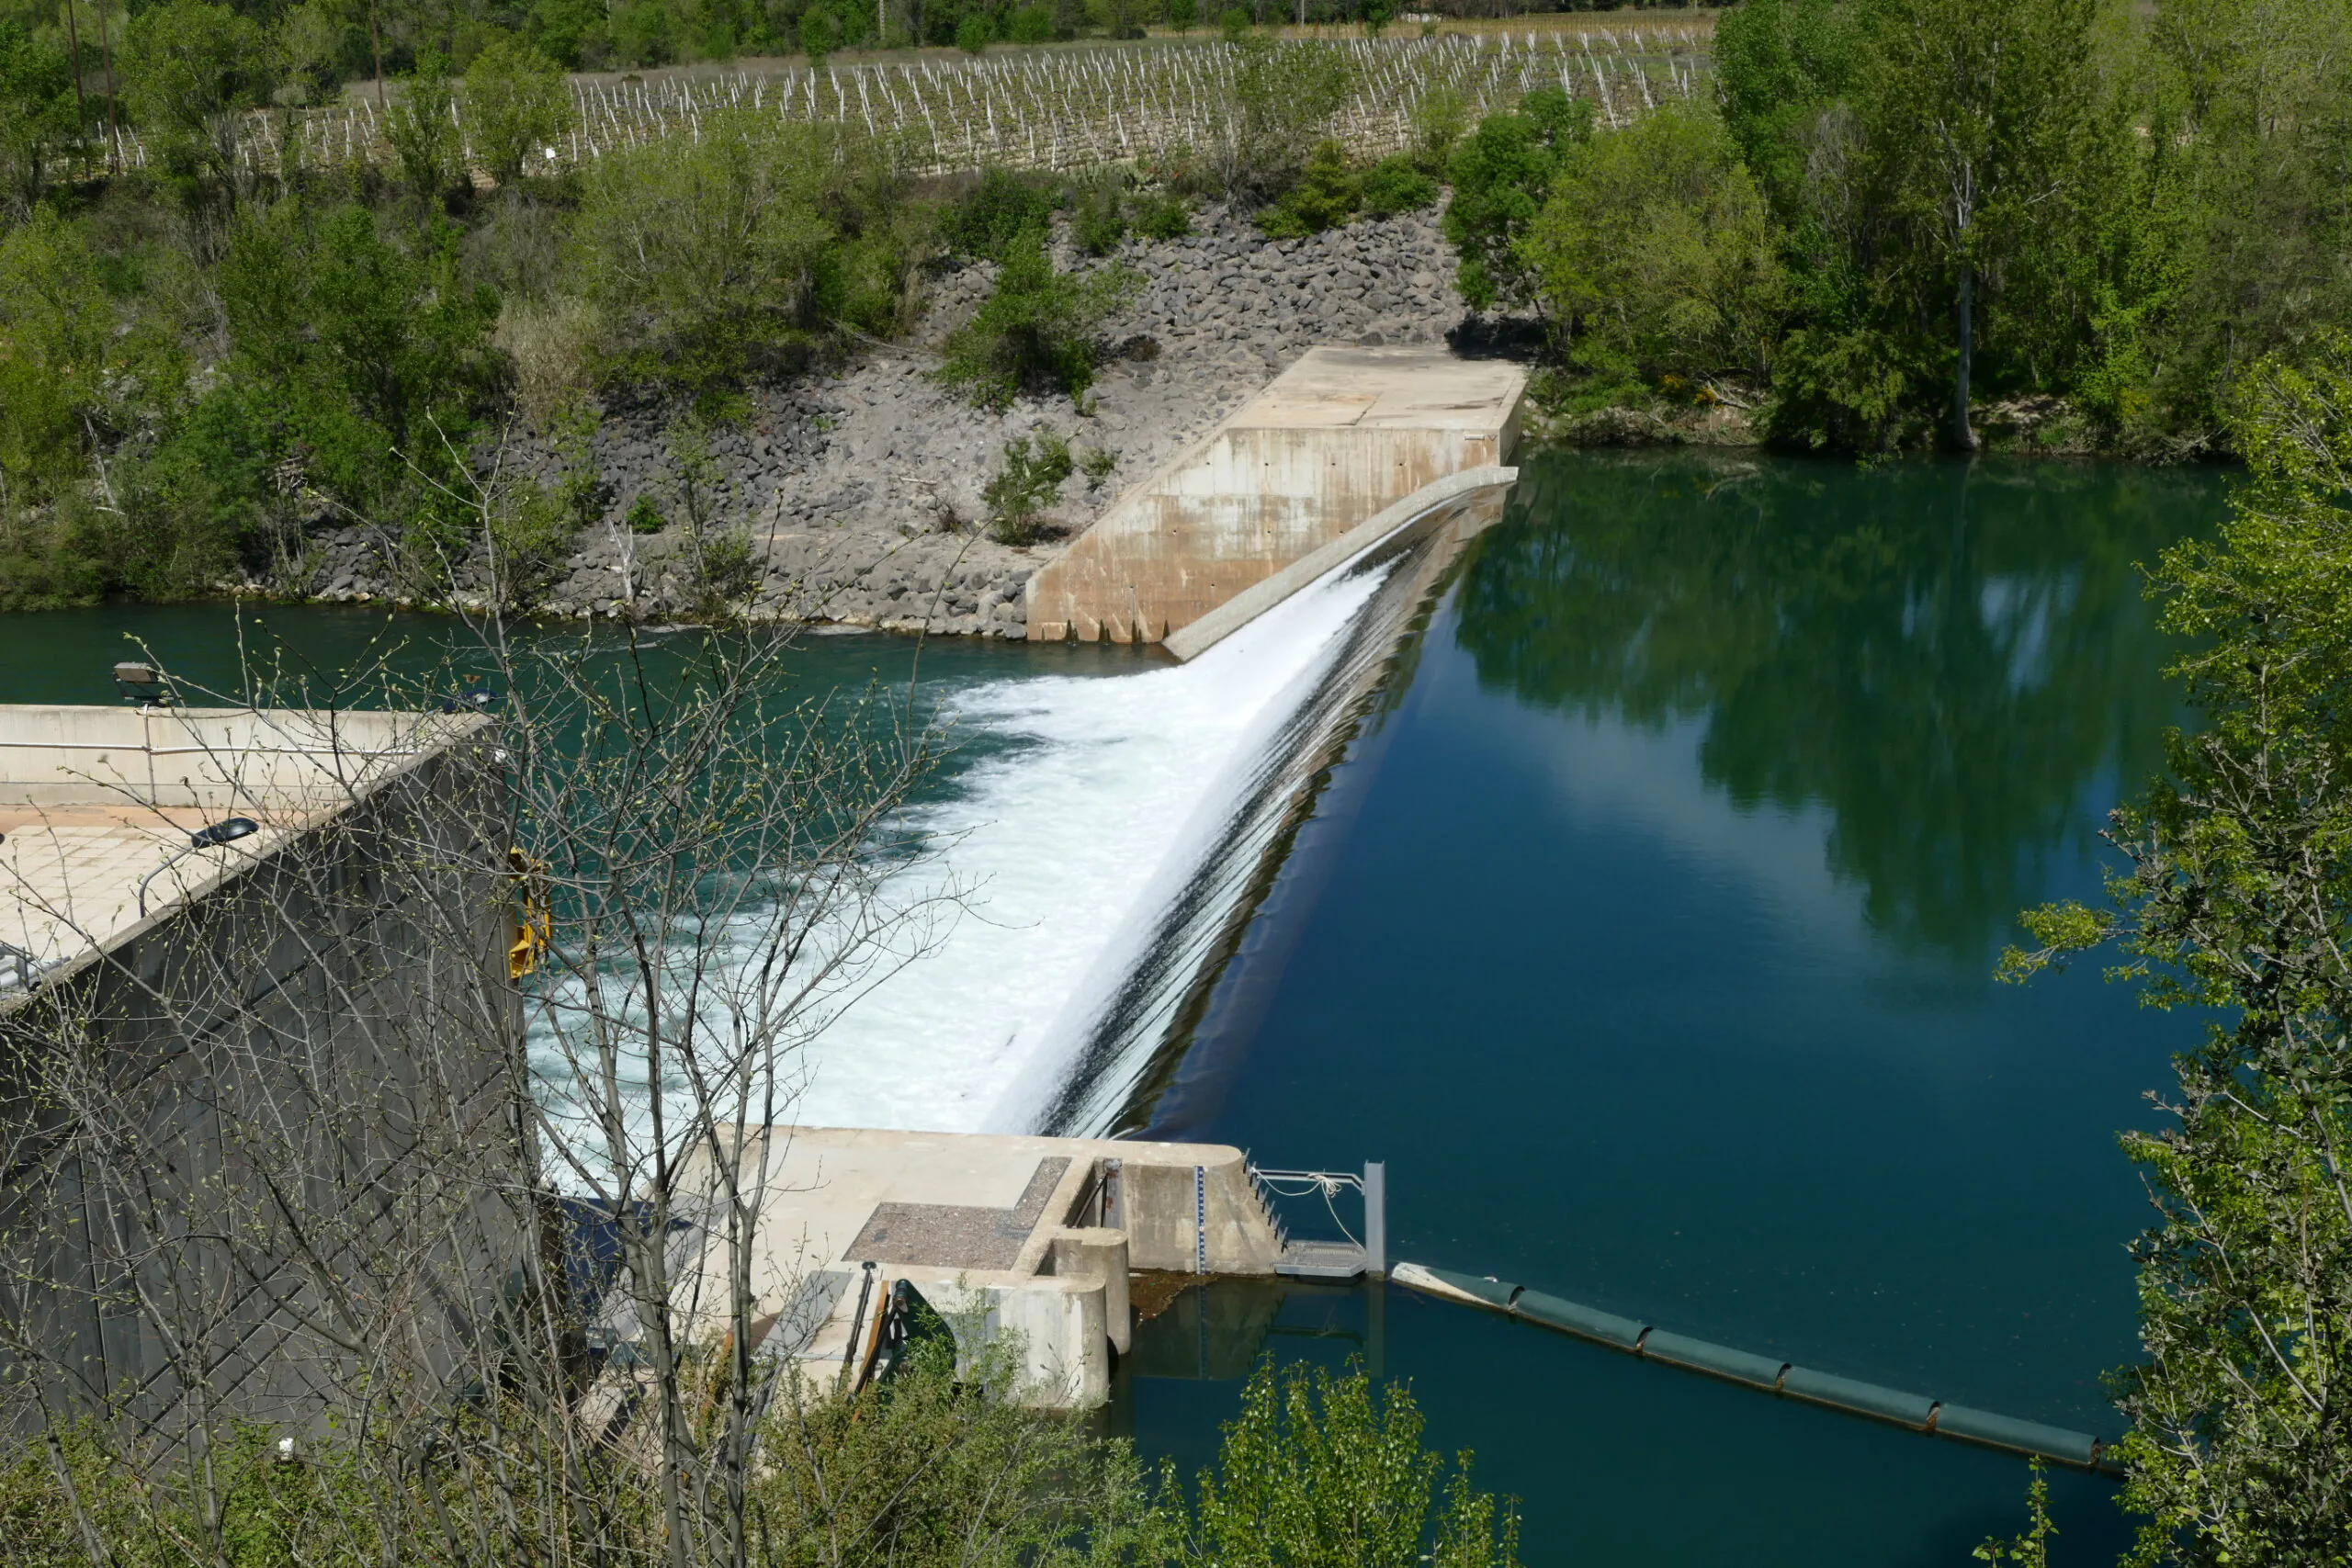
{"x": 1341, "y": 436}
{"x": 1030, "y": 1237}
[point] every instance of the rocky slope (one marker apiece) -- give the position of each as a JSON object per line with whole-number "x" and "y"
{"x": 862, "y": 490}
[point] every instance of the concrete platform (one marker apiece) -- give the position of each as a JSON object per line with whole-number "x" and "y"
{"x": 1342, "y": 435}
{"x": 93, "y": 800}
{"x": 1031, "y": 1236}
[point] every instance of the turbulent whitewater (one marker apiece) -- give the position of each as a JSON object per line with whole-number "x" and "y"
{"x": 1062, "y": 844}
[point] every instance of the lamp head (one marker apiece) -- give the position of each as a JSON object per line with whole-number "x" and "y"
{"x": 142, "y": 684}
{"x": 227, "y": 830}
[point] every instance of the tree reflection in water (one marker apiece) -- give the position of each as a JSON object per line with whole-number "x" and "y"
{"x": 1954, "y": 661}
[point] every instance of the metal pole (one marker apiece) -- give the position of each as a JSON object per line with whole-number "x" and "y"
{"x": 1376, "y": 1217}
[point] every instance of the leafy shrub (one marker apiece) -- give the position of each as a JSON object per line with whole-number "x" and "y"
{"x": 1036, "y": 331}
{"x": 424, "y": 134}
{"x": 644, "y": 516}
{"x": 1396, "y": 184}
{"x": 35, "y": 113}
{"x": 1325, "y": 196}
{"x": 1234, "y": 23}
{"x": 1030, "y": 24}
{"x": 726, "y": 571}
{"x": 1098, "y": 218}
{"x": 973, "y": 34}
{"x": 1098, "y": 464}
{"x": 531, "y": 530}
{"x": 1439, "y": 120}
{"x": 187, "y": 67}
{"x": 1318, "y": 1472}
{"x": 1162, "y": 215}
{"x": 1029, "y": 482}
{"x": 1183, "y": 15}
{"x": 992, "y": 214}
{"x": 820, "y": 34}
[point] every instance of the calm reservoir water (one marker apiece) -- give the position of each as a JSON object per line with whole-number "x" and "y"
{"x": 1648, "y": 939}
{"x": 1646, "y": 935}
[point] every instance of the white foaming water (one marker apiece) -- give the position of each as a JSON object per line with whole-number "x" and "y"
{"x": 1057, "y": 845}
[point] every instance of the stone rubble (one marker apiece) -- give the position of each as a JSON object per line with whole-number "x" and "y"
{"x": 862, "y": 488}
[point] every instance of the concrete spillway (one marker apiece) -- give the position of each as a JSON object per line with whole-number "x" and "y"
{"x": 1341, "y": 435}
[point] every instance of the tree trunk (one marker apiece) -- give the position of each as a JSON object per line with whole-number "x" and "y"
{"x": 1964, "y": 435}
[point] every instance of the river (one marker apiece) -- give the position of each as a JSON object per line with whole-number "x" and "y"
{"x": 1645, "y": 932}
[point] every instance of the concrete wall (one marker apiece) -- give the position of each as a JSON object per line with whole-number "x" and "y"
{"x": 267, "y": 1140}
{"x": 1339, "y": 437}
{"x": 61, "y": 755}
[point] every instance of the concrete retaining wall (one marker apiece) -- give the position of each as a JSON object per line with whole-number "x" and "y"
{"x": 1338, "y": 437}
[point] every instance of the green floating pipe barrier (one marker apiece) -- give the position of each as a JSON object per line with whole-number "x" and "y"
{"x": 1917, "y": 1411}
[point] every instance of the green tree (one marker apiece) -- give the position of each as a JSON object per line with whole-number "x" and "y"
{"x": 56, "y": 327}
{"x": 820, "y": 35}
{"x": 2227, "y": 209}
{"x": 1283, "y": 100}
{"x": 516, "y": 106}
{"x": 1973, "y": 114}
{"x": 705, "y": 255}
{"x": 2238, "y": 890}
{"x": 189, "y": 68}
{"x": 1501, "y": 173}
{"x": 1656, "y": 254}
{"x": 36, "y": 114}
{"x": 356, "y": 370}
{"x": 424, "y": 137}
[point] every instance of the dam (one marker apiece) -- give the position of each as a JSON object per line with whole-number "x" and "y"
{"x": 1335, "y": 440}
{"x": 1839, "y": 1152}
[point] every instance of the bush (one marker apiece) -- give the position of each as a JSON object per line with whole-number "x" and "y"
{"x": 1396, "y": 184}
{"x": 993, "y": 213}
{"x": 820, "y": 34}
{"x": 973, "y": 34}
{"x": 1439, "y": 120}
{"x": 1029, "y": 482}
{"x": 1283, "y": 97}
{"x": 1036, "y": 331}
{"x": 187, "y": 67}
{"x": 1234, "y": 23}
{"x": 424, "y": 135}
{"x": 1325, "y": 196}
{"x": 644, "y": 516}
{"x": 1098, "y": 218}
{"x": 1030, "y": 24}
{"x": 1162, "y": 215}
{"x": 1316, "y": 1472}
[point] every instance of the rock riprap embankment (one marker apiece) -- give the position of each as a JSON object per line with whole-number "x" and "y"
{"x": 861, "y": 489}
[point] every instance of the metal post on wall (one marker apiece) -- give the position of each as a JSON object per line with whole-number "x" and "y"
{"x": 1375, "y": 1216}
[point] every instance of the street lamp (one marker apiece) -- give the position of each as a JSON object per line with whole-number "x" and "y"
{"x": 227, "y": 831}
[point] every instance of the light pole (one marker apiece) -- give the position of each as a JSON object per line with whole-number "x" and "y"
{"x": 227, "y": 831}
